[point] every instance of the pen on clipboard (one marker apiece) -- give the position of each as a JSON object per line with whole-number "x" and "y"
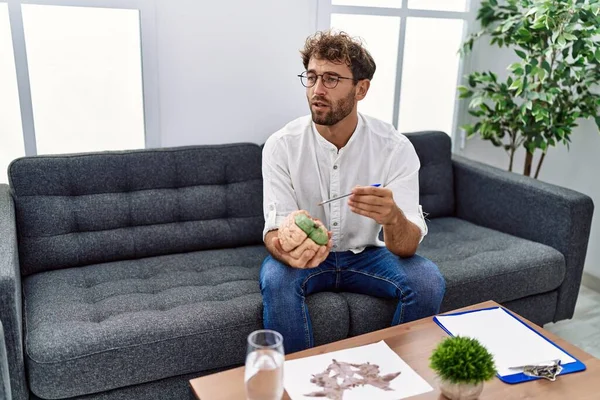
{"x": 547, "y": 370}
{"x": 344, "y": 195}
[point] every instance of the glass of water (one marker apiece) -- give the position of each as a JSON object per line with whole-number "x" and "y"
{"x": 264, "y": 366}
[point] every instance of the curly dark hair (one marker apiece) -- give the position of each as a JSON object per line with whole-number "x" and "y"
{"x": 339, "y": 48}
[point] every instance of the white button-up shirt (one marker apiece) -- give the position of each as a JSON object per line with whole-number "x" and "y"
{"x": 300, "y": 169}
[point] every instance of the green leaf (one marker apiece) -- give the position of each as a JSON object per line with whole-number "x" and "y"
{"x": 468, "y": 129}
{"x": 531, "y": 11}
{"x": 597, "y": 119}
{"x": 521, "y": 54}
{"x": 463, "y": 89}
{"x": 546, "y": 65}
{"x": 541, "y": 73}
{"x": 524, "y": 34}
{"x": 507, "y": 25}
{"x": 476, "y": 102}
{"x": 514, "y": 66}
{"x": 538, "y": 24}
{"x": 472, "y": 81}
{"x": 569, "y": 36}
{"x": 516, "y": 84}
{"x": 597, "y": 55}
{"x": 562, "y": 41}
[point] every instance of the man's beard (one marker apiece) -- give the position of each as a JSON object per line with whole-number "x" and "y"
{"x": 337, "y": 111}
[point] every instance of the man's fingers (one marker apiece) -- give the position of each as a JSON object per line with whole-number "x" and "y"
{"x": 277, "y": 245}
{"x": 318, "y": 258}
{"x": 371, "y": 190}
{"x": 306, "y": 257}
{"x": 368, "y": 200}
{"x": 363, "y": 212}
{"x": 366, "y": 207}
{"x": 286, "y": 256}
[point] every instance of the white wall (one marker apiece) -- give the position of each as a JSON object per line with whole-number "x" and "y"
{"x": 227, "y": 69}
{"x": 575, "y": 168}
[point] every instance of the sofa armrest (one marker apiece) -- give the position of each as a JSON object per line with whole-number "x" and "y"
{"x": 11, "y": 312}
{"x": 4, "y": 377}
{"x": 521, "y": 206}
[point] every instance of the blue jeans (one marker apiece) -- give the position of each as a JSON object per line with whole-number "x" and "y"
{"x": 416, "y": 282}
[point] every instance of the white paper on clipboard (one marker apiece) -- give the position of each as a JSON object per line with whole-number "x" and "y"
{"x": 511, "y": 342}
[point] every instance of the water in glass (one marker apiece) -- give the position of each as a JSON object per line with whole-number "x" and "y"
{"x": 264, "y": 366}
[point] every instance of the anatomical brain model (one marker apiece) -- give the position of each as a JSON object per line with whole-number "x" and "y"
{"x": 296, "y": 228}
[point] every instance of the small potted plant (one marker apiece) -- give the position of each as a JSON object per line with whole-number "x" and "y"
{"x": 462, "y": 365}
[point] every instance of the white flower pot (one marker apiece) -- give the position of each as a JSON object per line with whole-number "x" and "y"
{"x": 460, "y": 391}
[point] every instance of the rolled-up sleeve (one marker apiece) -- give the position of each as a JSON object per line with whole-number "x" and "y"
{"x": 279, "y": 198}
{"x": 404, "y": 184}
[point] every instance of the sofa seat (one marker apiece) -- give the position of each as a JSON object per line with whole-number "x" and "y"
{"x": 482, "y": 264}
{"x": 111, "y": 325}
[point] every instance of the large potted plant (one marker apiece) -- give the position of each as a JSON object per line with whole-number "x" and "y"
{"x": 554, "y": 83}
{"x": 462, "y": 365}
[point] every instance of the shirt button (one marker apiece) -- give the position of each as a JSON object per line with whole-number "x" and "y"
{"x": 335, "y": 167}
{"x": 335, "y": 224}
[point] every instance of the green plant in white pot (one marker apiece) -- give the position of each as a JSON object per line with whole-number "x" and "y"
{"x": 554, "y": 83}
{"x": 462, "y": 365}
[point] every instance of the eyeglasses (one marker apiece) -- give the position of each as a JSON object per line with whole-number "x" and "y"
{"x": 330, "y": 81}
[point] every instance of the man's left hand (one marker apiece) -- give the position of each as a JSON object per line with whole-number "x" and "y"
{"x": 376, "y": 203}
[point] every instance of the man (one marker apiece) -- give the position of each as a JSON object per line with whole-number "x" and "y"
{"x": 332, "y": 152}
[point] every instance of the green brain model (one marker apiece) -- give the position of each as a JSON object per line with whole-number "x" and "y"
{"x": 316, "y": 232}
{"x": 298, "y": 226}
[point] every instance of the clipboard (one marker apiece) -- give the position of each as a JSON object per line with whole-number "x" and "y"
{"x": 518, "y": 377}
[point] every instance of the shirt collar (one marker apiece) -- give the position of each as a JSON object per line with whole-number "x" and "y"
{"x": 328, "y": 145}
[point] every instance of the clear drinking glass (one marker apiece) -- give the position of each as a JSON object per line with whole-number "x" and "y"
{"x": 264, "y": 366}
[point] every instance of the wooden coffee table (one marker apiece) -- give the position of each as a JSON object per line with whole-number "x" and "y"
{"x": 414, "y": 342}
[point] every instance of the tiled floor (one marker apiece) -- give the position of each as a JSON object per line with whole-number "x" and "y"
{"x": 584, "y": 329}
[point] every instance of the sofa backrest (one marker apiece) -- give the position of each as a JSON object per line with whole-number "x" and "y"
{"x": 436, "y": 178}
{"x": 82, "y": 209}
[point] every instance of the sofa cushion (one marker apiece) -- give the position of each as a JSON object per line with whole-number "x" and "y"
{"x": 106, "y": 326}
{"x": 75, "y": 210}
{"x": 482, "y": 264}
{"x": 478, "y": 264}
{"x": 436, "y": 178}
{"x": 111, "y": 325}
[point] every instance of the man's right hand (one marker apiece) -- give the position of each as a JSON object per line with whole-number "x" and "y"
{"x": 307, "y": 255}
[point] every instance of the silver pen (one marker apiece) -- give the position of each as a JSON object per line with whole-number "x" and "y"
{"x": 342, "y": 196}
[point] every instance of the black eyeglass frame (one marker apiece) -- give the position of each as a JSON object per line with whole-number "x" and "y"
{"x": 304, "y": 76}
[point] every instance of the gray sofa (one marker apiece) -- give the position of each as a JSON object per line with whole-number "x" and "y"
{"x": 124, "y": 274}
{"x": 5, "y": 392}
